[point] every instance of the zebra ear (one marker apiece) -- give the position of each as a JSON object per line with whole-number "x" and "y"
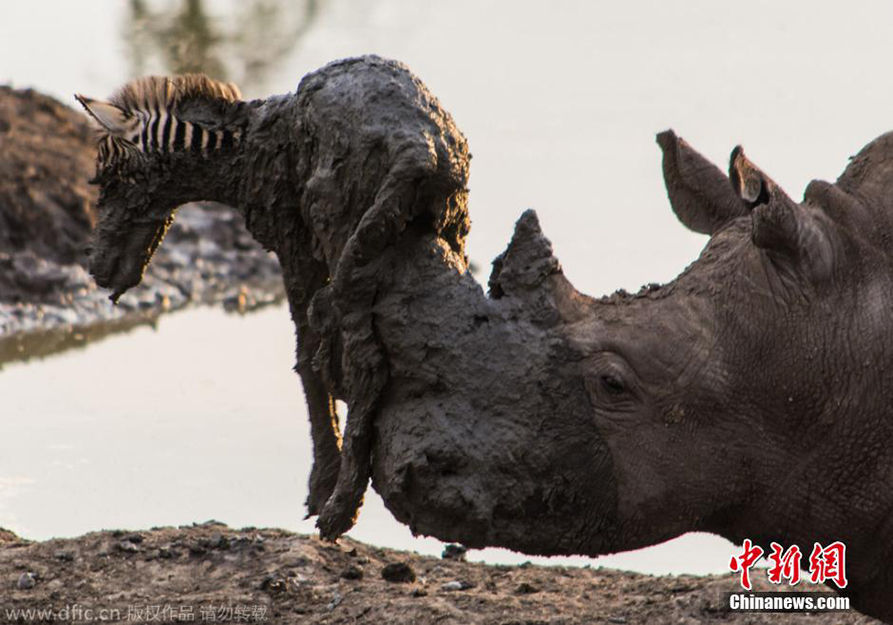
{"x": 107, "y": 115}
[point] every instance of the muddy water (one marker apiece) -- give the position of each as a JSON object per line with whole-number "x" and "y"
{"x": 560, "y": 102}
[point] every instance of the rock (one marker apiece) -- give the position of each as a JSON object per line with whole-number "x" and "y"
{"x": 127, "y": 546}
{"x": 177, "y": 258}
{"x": 336, "y": 599}
{"x": 208, "y": 249}
{"x": 617, "y": 620}
{"x": 26, "y": 581}
{"x": 65, "y": 556}
{"x": 352, "y": 572}
{"x": 239, "y": 300}
{"x": 454, "y": 552}
{"x": 60, "y": 316}
{"x": 459, "y": 584}
{"x": 525, "y": 588}
{"x": 399, "y": 572}
{"x": 273, "y": 584}
{"x": 219, "y": 541}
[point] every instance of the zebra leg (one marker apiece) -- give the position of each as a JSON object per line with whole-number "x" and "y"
{"x": 353, "y": 291}
{"x": 324, "y": 430}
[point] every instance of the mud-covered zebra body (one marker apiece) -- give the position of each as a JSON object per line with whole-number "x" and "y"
{"x": 145, "y": 117}
{"x": 328, "y": 178}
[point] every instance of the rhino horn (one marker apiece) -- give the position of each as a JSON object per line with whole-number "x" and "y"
{"x": 699, "y": 192}
{"x": 795, "y": 236}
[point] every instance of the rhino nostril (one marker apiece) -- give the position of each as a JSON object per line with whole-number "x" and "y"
{"x": 87, "y": 250}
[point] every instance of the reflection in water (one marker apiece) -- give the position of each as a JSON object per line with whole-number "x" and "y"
{"x": 241, "y": 46}
{"x": 52, "y": 340}
{"x": 184, "y": 37}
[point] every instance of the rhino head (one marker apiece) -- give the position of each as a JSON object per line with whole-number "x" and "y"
{"x": 748, "y": 398}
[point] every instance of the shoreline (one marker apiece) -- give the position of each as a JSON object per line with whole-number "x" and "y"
{"x": 272, "y": 575}
{"x": 194, "y": 268}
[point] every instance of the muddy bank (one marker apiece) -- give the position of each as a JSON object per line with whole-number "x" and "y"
{"x": 48, "y": 301}
{"x": 273, "y": 576}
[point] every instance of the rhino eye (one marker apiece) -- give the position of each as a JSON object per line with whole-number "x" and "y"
{"x": 612, "y": 384}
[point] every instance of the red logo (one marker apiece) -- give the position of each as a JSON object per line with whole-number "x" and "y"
{"x": 745, "y": 562}
{"x": 825, "y": 563}
{"x": 828, "y": 564}
{"x": 784, "y": 564}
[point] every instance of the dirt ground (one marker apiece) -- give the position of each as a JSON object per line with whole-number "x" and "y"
{"x": 209, "y": 573}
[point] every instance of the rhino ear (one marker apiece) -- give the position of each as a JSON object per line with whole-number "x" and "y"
{"x": 796, "y": 237}
{"x": 699, "y": 192}
{"x": 111, "y": 118}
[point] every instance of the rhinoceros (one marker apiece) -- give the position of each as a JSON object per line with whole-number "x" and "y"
{"x": 750, "y": 397}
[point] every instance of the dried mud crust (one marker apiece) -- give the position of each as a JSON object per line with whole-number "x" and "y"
{"x": 275, "y": 576}
{"x": 48, "y": 301}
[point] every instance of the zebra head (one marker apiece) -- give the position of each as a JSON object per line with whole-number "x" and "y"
{"x": 155, "y": 137}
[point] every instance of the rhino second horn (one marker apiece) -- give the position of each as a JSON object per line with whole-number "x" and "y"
{"x": 775, "y": 216}
{"x": 792, "y": 234}
{"x": 749, "y": 182}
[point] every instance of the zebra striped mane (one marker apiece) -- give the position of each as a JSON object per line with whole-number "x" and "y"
{"x": 154, "y": 93}
{"x": 144, "y": 116}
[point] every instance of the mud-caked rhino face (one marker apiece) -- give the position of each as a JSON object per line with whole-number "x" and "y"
{"x": 507, "y": 454}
